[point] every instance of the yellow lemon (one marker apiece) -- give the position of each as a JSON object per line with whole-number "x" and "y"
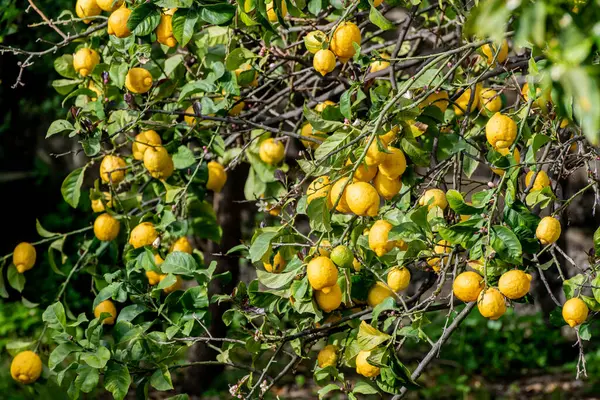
{"x": 491, "y": 304}
{"x": 378, "y": 237}
{"x": 314, "y": 41}
{"x": 142, "y": 235}
{"x": 271, "y": 152}
{"x": 173, "y": 287}
{"x": 24, "y": 257}
{"x": 434, "y": 197}
{"x": 516, "y": 156}
{"x": 322, "y": 106}
{"x": 87, "y": 8}
{"x": 331, "y": 300}
{"x": 398, "y": 278}
{"x": 541, "y": 180}
{"x": 182, "y": 244}
{"x": 542, "y": 100}
{"x": 490, "y": 101}
{"x": 380, "y": 65}
{"x": 374, "y": 154}
{"x": 336, "y": 193}
{"x": 106, "y": 306}
{"x": 217, "y": 176}
{"x": 442, "y": 247}
{"x": 143, "y": 141}
{"x": 342, "y": 40}
{"x": 277, "y": 265}
{"x": 461, "y": 104}
{"x": 324, "y": 61}
{"x": 500, "y": 131}
{"x": 164, "y": 31}
{"x": 467, "y": 286}
{"x": 363, "y": 367}
{"x": 439, "y": 99}
{"x": 85, "y": 60}
{"x": 364, "y": 173}
{"x": 389, "y": 136}
{"x": 327, "y": 357}
{"x": 191, "y": 121}
{"x": 272, "y": 15}
{"x": 112, "y": 169}
{"x": 26, "y": 367}
{"x": 322, "y": 274}
{"x": 106, "y": 227}
{"x": 318, "y": 188}
{"x": 548, "y": 230}
{"x": 514, "y": 284}
{"x": 308, "y": 131}
{"x": 393, "y": 164}
{"x": 575, "y": 312}
{"x": 158, "y": 162}
{"x": 95, "y": 89}
{"x": 490, "y": 50}
{"x": 378, "y": 293}
{"x": 98, "y": 204}
{"x": 362, "y": 199}
{"x": 356, "y": 265}
{"x": 138, "y": 80}
{"x": 324, "y": 248}
{"x": 154, "y": 277}
{"x": 117, "y": 22}
{"x": 247, "y": 67}
{"x": 109, "y": 5}
{"x": 387, "y": 188}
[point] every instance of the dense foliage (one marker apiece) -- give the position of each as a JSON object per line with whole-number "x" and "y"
{"x": 407, "y": 159}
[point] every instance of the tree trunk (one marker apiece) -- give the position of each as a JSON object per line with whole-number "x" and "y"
{"x": 229, "y": 217}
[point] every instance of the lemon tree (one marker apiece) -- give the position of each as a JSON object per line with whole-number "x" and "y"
{"x": 393, "y": 179}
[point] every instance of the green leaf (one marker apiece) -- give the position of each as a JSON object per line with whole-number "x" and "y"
{"x": 129, "y": 313}
{"x": 183, "y": 158}
{"x": 43, "y": 232}
{"x": 318, "y": 215}
{"x": 330, "y": 144}
{"x": 87, "y": 378}
{"x": 217, "y": 14}
{"x": 458, "y": 204}
{"x": 537, "y": 141}
{"x": 179, "y": 263}
{"x": 59, "y": 126}
{"x": 387, "y": 304}
{"x": 364, "y": 387}
{"x": 15, "y": 279}
{"x": 64, "y": 86}
{"x": 238, "y": 57}
{"x": 573, "y": 285}
{"x": 71, "y": 186}
{"x": 584, "y": 331}
{"x": 261, "y": 244}
{"x": 193, "y": 87}
{"x": 184, "y": 21}
{"x": 117, "y": 73}
{"x": 98, "y": 359}
{"x": 506, "y": 244}
{"x": 369, "y": 337}
{"x": 596, "y": 288}
{"x": 61, "y": 352}
{"x": 195, "y": 298}
{"x": 144, "y": 19}
{"x": 597, "y": 242}
{"x": 377, "y": 18}
{"x": 320, "y": 124}
{"x": 55, "y": 316}
{"x": 325, "y": 390}
{"x": 161, "y": 379}
{"x": 64, "y": 66}
{"x": 117, "y": 380}
{"x": 275, "y": 281}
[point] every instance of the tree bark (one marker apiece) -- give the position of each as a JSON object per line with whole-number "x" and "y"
{"x": 229, "y": 216}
